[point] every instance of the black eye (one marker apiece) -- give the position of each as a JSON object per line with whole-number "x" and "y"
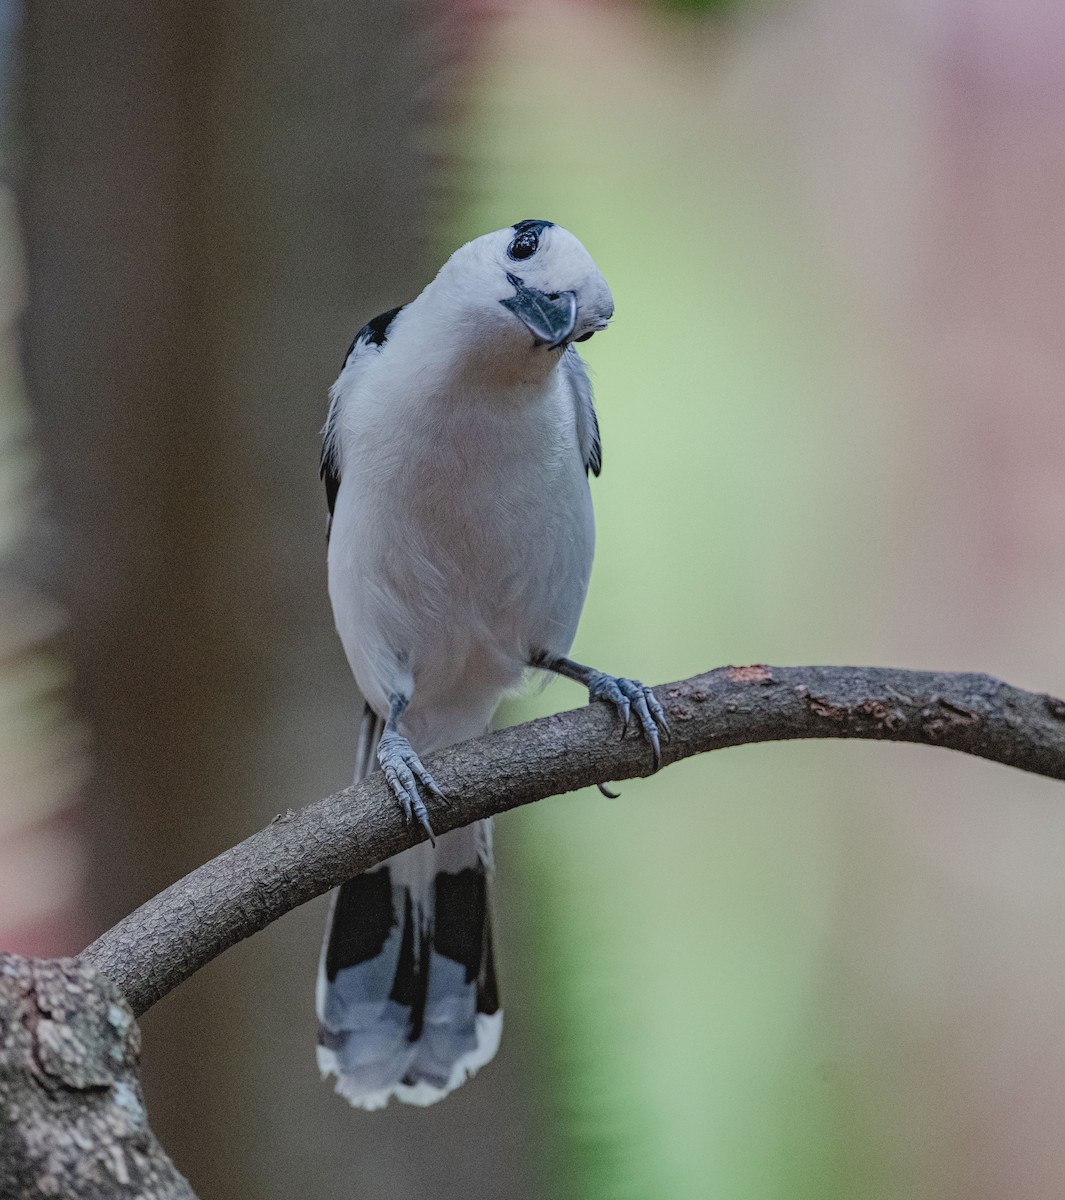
{"x": 524, "y": 245}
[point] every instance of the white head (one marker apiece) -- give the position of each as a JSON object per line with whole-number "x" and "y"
{"x": 529, "y": 289}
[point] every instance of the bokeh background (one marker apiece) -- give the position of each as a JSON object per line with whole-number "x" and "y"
{"x": 832, "y": 415}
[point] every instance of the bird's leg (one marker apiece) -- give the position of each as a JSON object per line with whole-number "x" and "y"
{"x": 404, "y": 771}
{"x": 628, "y": 696}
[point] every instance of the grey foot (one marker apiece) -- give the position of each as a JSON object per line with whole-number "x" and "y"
{"x": 630, "y": 697}
{"x": 404, "y": 771}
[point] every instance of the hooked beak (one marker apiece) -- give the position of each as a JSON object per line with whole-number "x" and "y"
{"x": 550, "y": 319}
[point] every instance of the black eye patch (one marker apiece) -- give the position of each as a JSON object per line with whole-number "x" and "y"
{"x": 524, "y": 245}
{"x": 527, "y": 238}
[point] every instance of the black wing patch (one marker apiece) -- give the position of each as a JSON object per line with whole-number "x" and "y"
{"x": 373, "y": 333}
{"x": 330, "y": 476}
{"x": 595, "y": 453}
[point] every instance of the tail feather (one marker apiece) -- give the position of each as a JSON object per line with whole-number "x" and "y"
{"x": 407, "y": 999}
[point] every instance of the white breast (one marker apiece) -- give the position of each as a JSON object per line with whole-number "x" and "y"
{"x": 462, "y": 541}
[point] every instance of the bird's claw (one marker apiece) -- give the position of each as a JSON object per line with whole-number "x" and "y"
{"x": 631, "y": 697}
{"x": 404, "y": 773}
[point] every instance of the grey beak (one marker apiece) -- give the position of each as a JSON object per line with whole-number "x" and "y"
{"x": 550, "y": 319}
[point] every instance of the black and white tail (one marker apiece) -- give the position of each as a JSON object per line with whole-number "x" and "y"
{"x": 407, "y": 998}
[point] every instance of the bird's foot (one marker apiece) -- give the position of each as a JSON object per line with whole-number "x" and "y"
{"x": 632, "y": 698}
{"x": 404, "y": 772}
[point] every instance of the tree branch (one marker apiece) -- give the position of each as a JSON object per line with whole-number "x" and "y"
{"x": 302, "y": 854}
{"x": 72, "y": 1119}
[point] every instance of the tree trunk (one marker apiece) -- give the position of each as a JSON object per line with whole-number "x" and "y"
{"x": 72, "y": 1117}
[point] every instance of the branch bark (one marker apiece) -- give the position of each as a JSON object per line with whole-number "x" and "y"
{"x": 72, "y": 1118}
{"x": 304, "y": 853}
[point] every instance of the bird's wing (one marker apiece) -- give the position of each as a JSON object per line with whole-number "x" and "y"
{"x": 575, "y": 372}
{"x": 366, "y": 343}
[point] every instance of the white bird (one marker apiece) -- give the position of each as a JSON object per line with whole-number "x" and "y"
{"x": 456, "y": 456}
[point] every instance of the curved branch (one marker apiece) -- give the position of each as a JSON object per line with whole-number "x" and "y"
{"x": 302, "y": 854}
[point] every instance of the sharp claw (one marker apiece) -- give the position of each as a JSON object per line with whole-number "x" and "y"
{"x": 658, "y": 713}
{"x": 403, "y": 771}
{"x": 607, "y": 792}
{"x": 429, "y": 782}
{"x": 650, "y": 730}
{"x": 423, "y": 821}
{"x": 656, "y": 747}
{"x": 631, "y": 698}
{"x": 625, "y": 709}
{"x": 420, "y": 813}
{"x": 400, "y": 793}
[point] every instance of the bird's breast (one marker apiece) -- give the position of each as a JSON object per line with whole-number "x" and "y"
{"x": 465, "y": 532}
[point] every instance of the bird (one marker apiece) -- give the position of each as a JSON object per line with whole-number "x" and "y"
{"x": 456, "y": 456}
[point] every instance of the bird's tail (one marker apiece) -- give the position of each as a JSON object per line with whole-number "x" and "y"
{"x": 407, "y": 998}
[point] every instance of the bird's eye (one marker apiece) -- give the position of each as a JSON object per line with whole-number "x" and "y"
{"x": 524, "y": 245}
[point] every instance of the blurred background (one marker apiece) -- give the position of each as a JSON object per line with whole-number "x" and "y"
{"x": 833, "y": 430}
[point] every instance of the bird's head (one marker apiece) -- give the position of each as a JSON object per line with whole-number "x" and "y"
{"x": 533, "y": 278}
